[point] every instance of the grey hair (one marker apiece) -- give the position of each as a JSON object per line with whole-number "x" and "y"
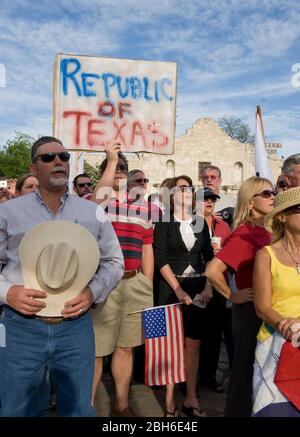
{"x": 132, "y": 173}
{"x": 288, "y": 164}
{"x": 213, "y": 167}
{"x": 40, "y": 142}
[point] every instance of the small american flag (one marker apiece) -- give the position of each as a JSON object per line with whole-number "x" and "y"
{"x": 164, "y": 341}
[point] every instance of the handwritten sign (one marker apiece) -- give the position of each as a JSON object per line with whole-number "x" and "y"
{"x": 98, "y": 100}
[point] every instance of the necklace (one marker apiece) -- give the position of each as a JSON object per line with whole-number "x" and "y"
{"x": 295, "y": 261}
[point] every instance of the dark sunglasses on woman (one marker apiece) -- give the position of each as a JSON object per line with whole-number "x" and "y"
{"x": 141, "y": 181}
{"x": 266, "y": 194}
{"x": 49, "y": 157}
{"x": 212, "y": 199}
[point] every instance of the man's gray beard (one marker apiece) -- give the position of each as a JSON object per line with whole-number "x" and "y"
{"x": 58, "y": 182}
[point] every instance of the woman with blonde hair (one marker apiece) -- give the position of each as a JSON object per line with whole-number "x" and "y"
{"x": 254, "y": 201}
{"x": 276, "y": 284}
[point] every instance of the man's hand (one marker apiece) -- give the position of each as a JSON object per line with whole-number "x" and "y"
{"x": 78, "y": 305}
{"x": 111, "y": 151}
{"x": 5, "y": 194}
{"x": 24, "y": 300}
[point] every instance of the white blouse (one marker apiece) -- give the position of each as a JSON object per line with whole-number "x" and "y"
{"x": 188, "y": 238}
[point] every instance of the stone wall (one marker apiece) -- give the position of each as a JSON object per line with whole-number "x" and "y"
{"x": 204, "y": 142}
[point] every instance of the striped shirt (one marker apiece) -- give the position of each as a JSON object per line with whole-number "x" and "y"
{"x": 133, "y": 229}
{"x": 19, "y": 215}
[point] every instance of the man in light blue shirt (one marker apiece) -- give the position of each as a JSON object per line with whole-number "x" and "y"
{"x": 64, "y": 346}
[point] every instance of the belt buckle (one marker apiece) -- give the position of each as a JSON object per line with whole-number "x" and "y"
{"x": 51, "y": 320}
{"x": 131, "y": 273}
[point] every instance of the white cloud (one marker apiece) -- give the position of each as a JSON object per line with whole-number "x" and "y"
{"x": 230, "y": 52}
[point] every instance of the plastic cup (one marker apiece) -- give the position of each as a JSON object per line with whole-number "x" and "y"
{"x": 216, "y": 242}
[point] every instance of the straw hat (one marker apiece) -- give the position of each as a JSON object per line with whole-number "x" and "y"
{"x": 59, "y": 257}
{"x": 282, "y": 201}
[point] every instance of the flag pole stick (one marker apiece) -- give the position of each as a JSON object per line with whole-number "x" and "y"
{"x": 155, "y": 308}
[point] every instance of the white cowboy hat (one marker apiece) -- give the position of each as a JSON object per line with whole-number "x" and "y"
{"x": 59, "y": 257}
{"x": 283, "y": 200}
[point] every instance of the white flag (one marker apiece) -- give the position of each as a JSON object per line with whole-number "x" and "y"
{"x": 262, "y": 167}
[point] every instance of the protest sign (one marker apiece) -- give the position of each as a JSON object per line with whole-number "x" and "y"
{"x": 99, "y": 100}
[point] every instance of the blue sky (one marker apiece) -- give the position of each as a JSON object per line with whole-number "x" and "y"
{"x": 232, "y": 55}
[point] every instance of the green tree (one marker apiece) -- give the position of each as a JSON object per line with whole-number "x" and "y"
{"x": 236, "y": 129}
{"x": 91, "y": 171}
{"x": 15, "y": 156}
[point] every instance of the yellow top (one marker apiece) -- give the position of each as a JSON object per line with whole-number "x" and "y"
{"x": 285, "y": 292}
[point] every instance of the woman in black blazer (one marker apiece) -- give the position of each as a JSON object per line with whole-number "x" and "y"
{"x": 182, "y": 248}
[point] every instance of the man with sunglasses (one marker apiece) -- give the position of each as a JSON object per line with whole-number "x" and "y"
{"x": 137, "y": 189}
{"x": 82, "y": 185}
{"x": 211, "y": 178}
{"x": 117, "y": 331}
{"x": 62, "y": 346}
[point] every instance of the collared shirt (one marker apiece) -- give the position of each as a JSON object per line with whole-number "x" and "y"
{"x": 19, "y": 215}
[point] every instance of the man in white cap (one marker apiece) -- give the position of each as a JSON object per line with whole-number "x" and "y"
{"x": 62, "y": 344}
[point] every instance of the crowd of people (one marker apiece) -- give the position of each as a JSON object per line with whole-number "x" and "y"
{"x": 234, "y": 270}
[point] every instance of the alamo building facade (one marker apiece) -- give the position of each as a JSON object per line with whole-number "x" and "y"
{"x": 203, "y": 144}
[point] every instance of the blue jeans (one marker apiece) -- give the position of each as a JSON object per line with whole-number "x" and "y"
{"x": 34, "y": 349}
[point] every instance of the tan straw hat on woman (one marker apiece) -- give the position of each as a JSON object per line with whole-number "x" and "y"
{"x": 282, "y": 201}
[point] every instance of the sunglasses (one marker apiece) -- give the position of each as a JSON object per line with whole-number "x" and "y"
{"x": 212, "y": 177}
{"x": 85, "y": 184}
{"x": 141, "y": 181}
{"x": 49, "y": 157}
{"x": 212, "y": 199}
{"x": 266, "y": 194}
{"x": 185, "y": 188}
{"x": 295, "y": 209}
{"x": 122, "y": 168}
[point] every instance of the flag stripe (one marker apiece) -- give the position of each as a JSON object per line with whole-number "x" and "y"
{"x": 164, "y": 361}
{"x": 181, "y": 346}
{"x": 153, "y": 361}
{"x": 177, "y": 348}
{"x": 171, "y": 333}
{"x": 169, "y": 357}
{"x": 174, "y": 349}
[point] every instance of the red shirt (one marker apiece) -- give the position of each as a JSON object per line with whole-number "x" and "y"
{"x": 133, "y": 228}
{"x": 239, "y": 251}
{"x": 221, "y": 229}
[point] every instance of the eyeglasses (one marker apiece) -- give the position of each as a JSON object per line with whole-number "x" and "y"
{"x": 83, "y": 184}
{"x": 49, "y": 157}
{"x": 185, "y": 188}
{"x": 122, "y": 168}
{"x": 212, "y": 177}
{"x": 266, "y": 194}
{"x": 141, "y": 181}
{"x": 212, "y": 199}
{"x": 295, "y": 209}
